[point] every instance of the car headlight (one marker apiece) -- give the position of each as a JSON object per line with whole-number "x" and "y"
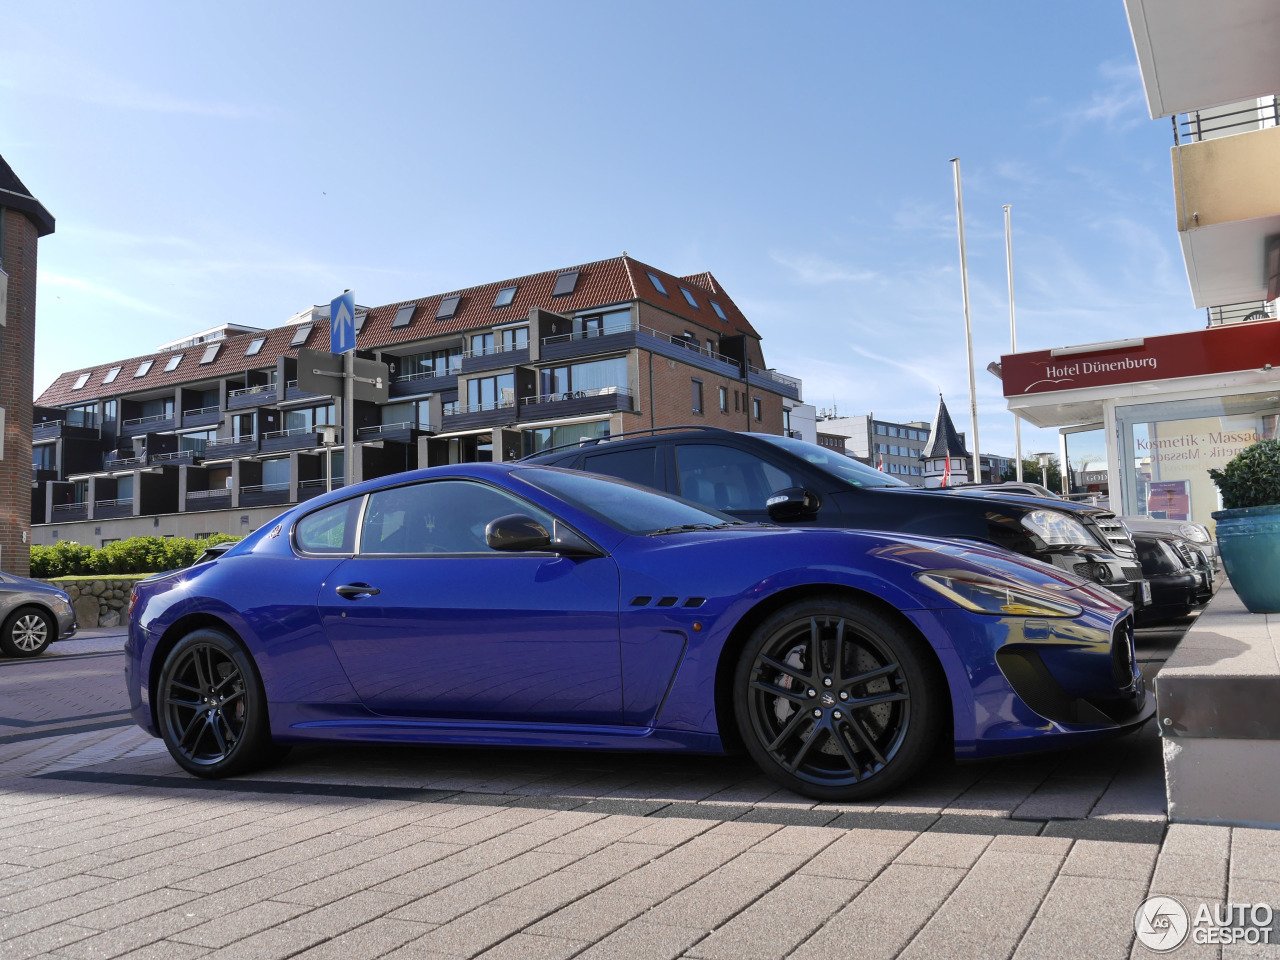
{"x": 1058, "y": 529}
{"x": 1194, "y": 532}
{"x": 981, "y": 594}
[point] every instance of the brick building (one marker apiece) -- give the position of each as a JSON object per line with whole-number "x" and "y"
{"x": 23, "y": 221}
{"x": 212, "y": 434}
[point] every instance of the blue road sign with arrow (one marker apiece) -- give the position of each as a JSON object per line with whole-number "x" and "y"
{"x": 342, "y": 323}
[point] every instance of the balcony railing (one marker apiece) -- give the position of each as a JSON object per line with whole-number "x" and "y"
{"x": 577, "y": 395}
{"x": 227, "y": 441}
{"x": 199, "y": 410}
{"x": 209, "y": 494}
{"x": 318, "y": 482}
{"x": 633, "y": 327}
{"x": 263, "y": 487}
{"x": 366, "y": 433}
{"x": 121, "y": 462}
{"x": 481, "y": 407}
{"x": 427, "y": 375}
{"x": 154, "y": 418}
{"x": 246, "y": 391}
{"x": 114, "y": 503}
{"x": 1237, "y": 313}
{"x": 496, "y": 348}
{"x": 290, "y": 432}
{"x": 1210, "y": 124}
{"x": 775, "y": 376}
{"x": 174, "y": 455}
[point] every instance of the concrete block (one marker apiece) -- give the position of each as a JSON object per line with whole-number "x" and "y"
{"x": 1222, "y": 781}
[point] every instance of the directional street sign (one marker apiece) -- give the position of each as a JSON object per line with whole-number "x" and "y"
{"x": 342, "y": 323}
{"x": 320, "y": 372}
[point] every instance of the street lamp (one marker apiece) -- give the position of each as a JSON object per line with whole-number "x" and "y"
{"x": 1044, "y": 468}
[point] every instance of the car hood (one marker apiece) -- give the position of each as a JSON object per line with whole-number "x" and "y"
{"x": 1027, "y": 503}
{"x": 819, "y": 547}
{"x": 15, "y": 584}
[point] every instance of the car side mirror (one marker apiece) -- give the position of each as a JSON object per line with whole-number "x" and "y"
{"x": 794, "y": 503}
{"x": 516, "y": 532}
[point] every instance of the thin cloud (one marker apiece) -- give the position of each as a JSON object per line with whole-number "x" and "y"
{"x": 102, "y": 293}
{"x": 1118, "y": 106}
{"x": 815, "y": 269}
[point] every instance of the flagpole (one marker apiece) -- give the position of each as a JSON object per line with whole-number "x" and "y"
{"x": 968, "y": 326}
{"x": 1013, "y": 332}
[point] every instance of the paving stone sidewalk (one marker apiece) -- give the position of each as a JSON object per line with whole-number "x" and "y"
{"x": 107, "y": 850}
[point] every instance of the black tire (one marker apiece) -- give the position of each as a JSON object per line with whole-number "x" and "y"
{"x": 211, "y": 707}
{"x": 27, "y": 632}
{"x": 804, "y": 734}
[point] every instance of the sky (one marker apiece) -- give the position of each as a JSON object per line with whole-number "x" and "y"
{"x": 237, "y": 162}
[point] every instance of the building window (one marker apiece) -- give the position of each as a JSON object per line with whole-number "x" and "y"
{"x": 719, "y": 311}
{"x": 592, "y": 378}
{"x": 602, "y": 324}
{"x": 172, "y": 365}
{"x": 109, "y": 410}
{"x": 404, "y": 316}
{"x": 689, "y": 298}
{"x": 143, "y": 368}
{"x": 881, "y": 429}
{"x": 516, "y": 338}
{"x": 504, "y": 297}
{"x": 448, "y": 307}
{"x": 81, "y": 381}
{"x": 724, "y": 399}
{"x": 786, "y": 422}
{"x": 254, "y": 346}
{"x": 210, "y": 353}
{"x": 755, "y": 408}
{"x": 737, "y": 403}
{"x": 481, "y": 344}
{"x": 300, "y": 335}
{"x": 697, "y": 396}
{"x": 566, "y": 283}
{"x": 490, "y": 393}
{"x": 657, "y": 284}
{"x": 111, "y": 375}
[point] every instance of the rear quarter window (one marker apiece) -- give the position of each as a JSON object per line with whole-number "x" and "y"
{"x": 638, "y": 465}
{"x": 329, "y": 530}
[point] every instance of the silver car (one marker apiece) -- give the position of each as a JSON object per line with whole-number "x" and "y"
{"x": 32, "y": 616}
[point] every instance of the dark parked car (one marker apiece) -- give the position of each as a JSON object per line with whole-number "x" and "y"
{"x": 500, "y": 604}
{"x": 763, "y": 477}
{"x": 1175, "y": 583}
{"x": 32, "y": 616}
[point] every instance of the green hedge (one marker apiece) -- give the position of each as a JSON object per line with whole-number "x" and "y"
{"x": 67, "y": 558}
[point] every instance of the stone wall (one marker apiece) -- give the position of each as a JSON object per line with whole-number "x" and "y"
{"x": 99, "y": 602}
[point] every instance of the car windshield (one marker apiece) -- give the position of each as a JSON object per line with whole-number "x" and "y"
{"x": 846, "y": 468}
{"x": 629, "y": 508}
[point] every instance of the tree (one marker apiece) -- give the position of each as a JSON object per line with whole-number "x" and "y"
{"x": 1031, "y": 473}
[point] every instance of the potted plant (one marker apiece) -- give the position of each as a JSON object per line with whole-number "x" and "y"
{"x": 1249, "y": 526}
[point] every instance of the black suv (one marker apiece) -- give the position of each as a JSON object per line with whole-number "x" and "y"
{"x": 760, "y": 477}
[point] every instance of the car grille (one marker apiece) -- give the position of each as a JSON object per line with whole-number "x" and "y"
{"x": 1115, "y": 534}
{"x": 1131, "y": 571}
{"x": 1122, "y": 654}
{"x": 1184, "y": 551}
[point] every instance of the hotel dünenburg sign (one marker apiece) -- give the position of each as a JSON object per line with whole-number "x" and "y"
{"x": 1245, "y": 346}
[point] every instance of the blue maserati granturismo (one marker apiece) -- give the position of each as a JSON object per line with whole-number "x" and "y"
{"x": 520, "y": 605}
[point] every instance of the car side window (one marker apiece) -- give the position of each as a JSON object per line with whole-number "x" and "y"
{"x": 727, "y": 478}
{"x": 638, "y": 465}
{"x": 443, "y": 516}
{"x": 328, "y": 530}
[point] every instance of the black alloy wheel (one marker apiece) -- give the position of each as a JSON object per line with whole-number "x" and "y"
{"x": 27, "y": 633}
{"x": 211, "y": 706}
{"x": 837, "y": 701}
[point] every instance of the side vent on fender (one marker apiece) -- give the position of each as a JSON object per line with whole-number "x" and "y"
{"x": 668, "y": 601}
{"x": 694, "y": 602}
{"x": 640, "y": 601}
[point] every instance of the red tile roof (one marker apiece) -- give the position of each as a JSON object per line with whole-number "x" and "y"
{"x": 602, "y": 283}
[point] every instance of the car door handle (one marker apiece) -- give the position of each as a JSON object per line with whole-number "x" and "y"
{"x": 354, "y": 590}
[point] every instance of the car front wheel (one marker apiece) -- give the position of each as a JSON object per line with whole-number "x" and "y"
{"x": 211, "y": 707}
{"x": 837, "y": 701}
{"x": 27, "y": 633}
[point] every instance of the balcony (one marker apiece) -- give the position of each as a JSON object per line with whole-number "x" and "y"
{"x": 226, "y": 448}
{"x": 1227, "y": 201}
{"x": 264, "y": 494}
{"x": 113, "y": 509}
{"x": 42, "y": 474}
{"x": 68, "y": 512}
{"x": 291, "y": 392}
{"x": 294, "y": 438}
{"x": 313, "y": 488}
{"x": 625, "y": 336}
{"x": 406, "y": 432}
{"x": 775, "y": 381}
{"x": 202, "y": 417}
{"x": 157, "y": 423}
{"x": 122, "y": 463}
{"x": 419, "y": 384}
{"x": 575, "y": 404}
{"x": 53, "y": 429}
{"x": 198, "y": 500}
{"x": 247, "y": 397}
{"x": 495, "y": 358}
{"x": 479, "y": 415}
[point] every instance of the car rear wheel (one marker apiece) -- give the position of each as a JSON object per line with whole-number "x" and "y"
{"x": 837, "y": 701}
{"x": 27, "y": 633}
{"x": 211, "y": 707}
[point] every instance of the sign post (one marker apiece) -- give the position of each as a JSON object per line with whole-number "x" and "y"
{"x": 342, "y": 339}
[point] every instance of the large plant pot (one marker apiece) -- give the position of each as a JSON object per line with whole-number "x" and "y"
{"x": 1249, "y": 539}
